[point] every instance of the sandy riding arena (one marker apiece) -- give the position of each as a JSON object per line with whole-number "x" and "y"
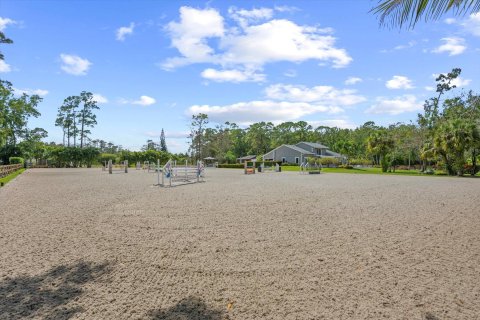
{"x": 83, "y": 244}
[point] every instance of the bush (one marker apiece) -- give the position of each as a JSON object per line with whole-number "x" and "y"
{"x": 429, "y": 171}
{"x": 329, "y": 161}
{"x": 345, "y": 166}
{"x": 15, "y": 160}
{"x": 361, "y": 162}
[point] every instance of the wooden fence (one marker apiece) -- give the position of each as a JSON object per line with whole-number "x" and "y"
{"x": 6, "y": 170}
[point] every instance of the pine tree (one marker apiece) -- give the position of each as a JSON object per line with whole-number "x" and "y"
{"x": 163, "y": 144}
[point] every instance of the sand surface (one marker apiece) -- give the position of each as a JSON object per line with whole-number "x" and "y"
{"x": 83, "y": 244}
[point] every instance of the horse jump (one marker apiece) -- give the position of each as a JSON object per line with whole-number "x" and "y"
{"x": 123, "y": 166}
{"x": 186, "y": 174}
{"x": 275, "y": 168}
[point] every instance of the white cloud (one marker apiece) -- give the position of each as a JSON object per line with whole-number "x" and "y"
{"x": 74, "y": 65}
{"x": 283, "y": 103}
{"x": 251, "y": 46}
{"x": 232, "y": 75}
{"x": 124, "y": 31}
{"x": 399, "y": 82}
{"x": 338, "y": 123}
{"x": 410, "y": 44}
{"x": 429, "y": 88}
{"x": 4, "y": 67}
{"x": 398, "y": 105}
{"x": 264, "y": 110}
{"x": 353, "y": 80}
{"x": 450, "y": 20}
{"x": 144, "y": 101}
{"x": 38, "y": 92}
{"x": 99, "y": 98}
{"x": 189, "y": 36}
{"x": 453, "y": 46}
{"x": 459, "y": 82}
{"x": 245, "y": 17}
{"x": 4, "y": 22}
{"x": 282, "y": 40}
{"x": 325, "y": 95}
{"x": 472, "y": 24}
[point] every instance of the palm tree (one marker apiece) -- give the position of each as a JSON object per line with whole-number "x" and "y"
{"x": 398, "y": 13}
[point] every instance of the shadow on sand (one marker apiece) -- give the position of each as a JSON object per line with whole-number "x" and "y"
{"x": 45, "y": 296}
{"x": 190, "y": 308}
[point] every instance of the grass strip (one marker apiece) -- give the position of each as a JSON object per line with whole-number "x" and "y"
{"x": 10, "y": 177}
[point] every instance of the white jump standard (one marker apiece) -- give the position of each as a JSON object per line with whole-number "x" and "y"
{"x": 121, "y": 167}
{"x": 182, "y": 174}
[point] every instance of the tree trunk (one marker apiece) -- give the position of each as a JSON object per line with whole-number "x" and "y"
{"x": 81, "y": 132}
{"x": 74, "y": 131}
{"x": 68, "y": 136}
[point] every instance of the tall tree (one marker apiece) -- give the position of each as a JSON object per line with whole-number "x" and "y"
{"x": 67, "y": 118}
{"x": 397, "y": 13}
{"x": 163, "y": 143}
{"x": 14, "y": 115}
{"x": 86, "y": 117}
{"x": 381, "y": 143}
{"x": 259, "y": 137}
{"x": 197, "y": 130}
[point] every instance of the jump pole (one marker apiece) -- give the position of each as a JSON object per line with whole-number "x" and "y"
{"x": 110, "y": 169}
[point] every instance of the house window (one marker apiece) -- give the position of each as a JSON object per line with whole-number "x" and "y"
{"x": 284, "y": 159}
{"x": 296, "y": 160}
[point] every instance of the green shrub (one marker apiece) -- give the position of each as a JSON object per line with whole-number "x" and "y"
{"x": 345, "y": 166}
{"x": 361, "y": 162}
{"x": 329, "y": 161}
{"x": 106, "y": 157}
{"x": 15, "y": 160}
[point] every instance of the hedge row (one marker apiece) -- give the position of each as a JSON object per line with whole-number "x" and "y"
{"x": 15, "y": 160}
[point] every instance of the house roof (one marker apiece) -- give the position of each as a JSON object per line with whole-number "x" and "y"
{"x": 297, "y": 148}
{"x": 249, "y": 157}
{"x": 329, "y": 153}
{"x": 314, "y": 145}
{"x": 293, "y": 147}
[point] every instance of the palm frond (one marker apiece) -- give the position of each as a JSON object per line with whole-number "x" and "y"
{"x": 398, "y": 13}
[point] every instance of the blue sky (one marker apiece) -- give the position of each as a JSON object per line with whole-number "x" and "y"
{"x": 152, "y": 64}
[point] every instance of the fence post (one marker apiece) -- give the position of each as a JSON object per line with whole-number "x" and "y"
{"x": 126, "y": 166}
{"x": 110, "y": 168}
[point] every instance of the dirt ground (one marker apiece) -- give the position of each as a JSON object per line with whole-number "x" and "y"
{"x": 83, "y": 244}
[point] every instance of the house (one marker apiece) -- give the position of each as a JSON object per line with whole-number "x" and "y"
{"x": 247, "y": 158}
{"x": 288, "y": 153}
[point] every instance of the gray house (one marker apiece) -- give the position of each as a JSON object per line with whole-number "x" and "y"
{"x": 288, "y": 153}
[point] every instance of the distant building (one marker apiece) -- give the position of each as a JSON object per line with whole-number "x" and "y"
{"x": 288, "y": 153}
{"x": 247, "y": 158}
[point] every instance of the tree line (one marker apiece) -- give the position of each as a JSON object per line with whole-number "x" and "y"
{"x": 446, "y": 135}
